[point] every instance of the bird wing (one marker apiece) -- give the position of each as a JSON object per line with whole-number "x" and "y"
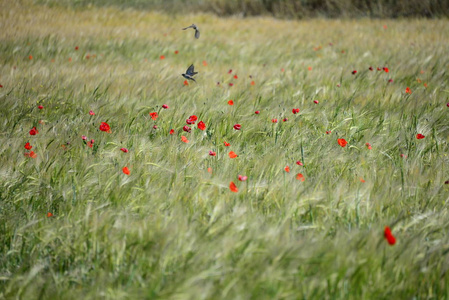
{"x": 197, "y": 33}
{"x": 191, "y": 26}
{"x": 190, "y": 70}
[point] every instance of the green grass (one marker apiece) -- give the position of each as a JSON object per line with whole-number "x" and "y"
{"x": 171, "y": 229}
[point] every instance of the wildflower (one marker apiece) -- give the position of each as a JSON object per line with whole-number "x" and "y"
{"x": 126, "y": 170}
{"x": 354, "y": 72}
{"x": 226, "y": 144}
{"x": 315, "y": 101}
{"x": 295, "y": 111}
{"x": 230, "y": 102}
{"x": 300, "y": 177}
{"x": 171, "y": 131}
{"x": 28, "y": 146}
{"x": 40, "y": 107}
{"x": 258, "y": 111}
{"x": 212, "y": 153}
{"x": 165, "y": 106}
{"x": 201, "y": 125}
{"x": 232, "y": 154}
{"x": 105, "y": 127}
{"x": 342, "y": 142}
{"x": 184, "y": 139}
{"x": 91, "y": 112}
{"x": 368, "y": 145}
{"x": 124, "y": 150}
{"x": 237, "y": 126}
{"x": 299, "y": 163}
{"x": 274, "y": 120}
{"x": 186, "y": 128}
{"x": 154, "y": 115}
{"x": 287, "y": 169}
{"x": 242, "y": 178}
{"x": 233, "y": 187}
{"x": 34, "y": 131}
{"x": 408, "y": 91}
{"x": 389, "y": 236}
{"x": 419, "y": 136}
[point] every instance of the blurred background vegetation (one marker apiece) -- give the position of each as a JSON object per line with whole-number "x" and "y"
{"x": 289, "y": 9}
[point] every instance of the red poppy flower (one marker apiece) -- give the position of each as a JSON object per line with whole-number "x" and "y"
{"x": 162, "y": 57}
{"x": 184, "y": 139}
{"x": 328, "y": 132}
{"x": 233, "y": 187}
{"x": 282, "y": 70}
{"x": 230, "y": 71}
{"x": 284, "y": 120}
{"x": 242, "y": 178}
{"x": 386, "y": 70}
{"x": 408, "y": 91}
{"x": 315, "y": 101}
{"x": 447, "y": 104}
{"x": 370, "y": 68}
{"x": 362, "y": 180}
{"x": 212, "y": 153}
{"x": 342, "y": 142}
{"x": 31, "y": 154}
{"x": 419, "y": 136}
{"x": 204, "y": 63}
{"x": 209, "y": 170}
{"x": 186, "y": 82}
{"x": 84, "y": 137}
{"x": 105, "y": 127}
{"x": 40, "y": 107}
{"x": 30, "y": 57}
{"x": 354, "y": 72}
{"x": 295, "y": 111}
{"x": 171, "y": 131}
{"x": 126, "y": 170}
{"x": 230, "y": 102}
{"x": 299, "y": 163}
{"x": 389, "y": 236}
{"x": 287, "y": 169}
{"x": 34, "y": 131}
{"x": 390, "y": 80}
{"x": 309, "y": 68}
{"x": 253, "y": 83}
{"x": 300, "y": 177}
{"x": 49, "y": 214}
{"x": 226, "y": 144}
{"x": 165, "y": 106}
{"x": 192, "y": 119}
{"x": 76, "y": 48}
{"x": 231, "y": 84}
{"x": 91, "y": 112}
{"x": 90, "y": 143}
{"x": 1, "y": 86}
{"x": 124, "y": 150}
{"x": 368, "y": 145}
{"x": 154, "y": 115}
{"x": 378, "y": 69}
{"x": 232, "y": 154}
{"x": 237, "y": 126}
{"x": 274, "y": 120}
{"x": 176, "y": 51}
{"x": 186, "y": 128}
{"x": 236, "y": 77}
{"x": 403, "y": 155}
{"x": 28, "y": 146}
{"x": 258, "y": 111}
{"x": 201, "y": 125}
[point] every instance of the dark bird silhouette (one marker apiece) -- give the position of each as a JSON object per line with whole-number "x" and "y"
{"x": 197, "y": 32}
{"x": 190, "y": 73}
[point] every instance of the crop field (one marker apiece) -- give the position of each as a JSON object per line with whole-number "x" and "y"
{"x": 309, "y": 160}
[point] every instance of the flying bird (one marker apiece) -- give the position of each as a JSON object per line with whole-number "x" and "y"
{"x": 197, "y": 32}
{"x": 190, "y": 73}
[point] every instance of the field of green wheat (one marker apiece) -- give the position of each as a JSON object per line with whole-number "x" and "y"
{"x": 309, "y": 160}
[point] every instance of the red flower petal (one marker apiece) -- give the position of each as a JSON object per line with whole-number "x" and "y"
{"x": 419, "y": 136}
{"x": 300, "y": 177}
{"x": 342, "y": 142}
{"x": 232, "y": 154}
{"x": 184, "y": 139}
{"x": 126, "y": 170}
{"x": 233, "y": 187}
{"x": 201, "y": 125}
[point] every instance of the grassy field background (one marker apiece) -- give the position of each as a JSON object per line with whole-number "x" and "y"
{"x": 172, "y": 229}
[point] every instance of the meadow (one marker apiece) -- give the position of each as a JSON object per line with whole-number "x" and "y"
{"x": 167, "y": 217}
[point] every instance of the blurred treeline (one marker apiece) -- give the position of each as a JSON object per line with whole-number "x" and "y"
{"x": 291, "y": 9}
